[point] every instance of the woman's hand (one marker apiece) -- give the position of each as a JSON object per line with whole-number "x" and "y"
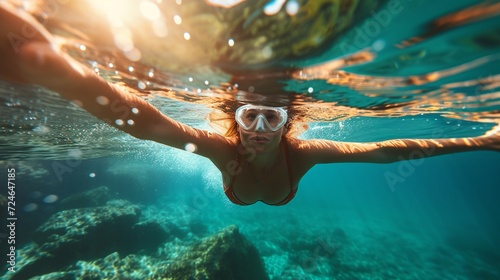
{"x": 491, "y": 139}
{"x": 28, "y": 51}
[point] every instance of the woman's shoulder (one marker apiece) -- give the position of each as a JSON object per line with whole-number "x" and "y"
{"x": 298, "y": 148}
{"x": 298, "y": 145}
{"x": 226, "y": 152}
{"x": 297, "y": 156}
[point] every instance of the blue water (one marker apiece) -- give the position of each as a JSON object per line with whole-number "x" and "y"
{"x": 432, "y": 218}
{"x": 440, "y": 221}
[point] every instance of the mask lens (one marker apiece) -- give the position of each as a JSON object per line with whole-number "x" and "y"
{"x": 273, "y": 118}
{"x": 249, "y": 116}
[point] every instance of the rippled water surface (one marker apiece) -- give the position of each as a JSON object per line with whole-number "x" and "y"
{"x": 366, "y": 67}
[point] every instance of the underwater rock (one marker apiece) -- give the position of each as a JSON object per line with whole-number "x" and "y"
{"x": 174, "y": 231}
{"x": 77, "y": 225}
{"x": 269, "y": 248}
{"x": 112, "y": 266}
{"x": 74, "y": 234}
{"x": 340, "y": 234}
{"x": 225, "y": 255}
{"x": 198, "y": 227}
{"x": 146, "y": 237}
{"x": 92, "y": 198}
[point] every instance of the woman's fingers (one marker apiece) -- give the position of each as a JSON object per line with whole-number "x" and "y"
{"x": 25, "y": 46}
{"x": 19, "y": 27}
{"x": 495, "y": 131}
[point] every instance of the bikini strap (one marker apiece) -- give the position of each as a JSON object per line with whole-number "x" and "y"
{"x": 287, "y": 157}
{"x": 233, "y": 177}
{"x": 229, "y": 191}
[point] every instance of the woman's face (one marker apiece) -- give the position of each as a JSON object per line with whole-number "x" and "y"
{"x": 261, "y": 127}
{"x": 261, "y": 140}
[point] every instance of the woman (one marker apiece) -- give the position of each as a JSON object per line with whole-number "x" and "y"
{"x": 258, "y": 160}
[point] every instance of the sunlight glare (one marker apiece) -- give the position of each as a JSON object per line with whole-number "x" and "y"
{"x": 273, "y": 7}
{"x": 224, "y": 3}
{"x": 133, "y": 54}
{"x": 160, "y": 28}
{"x": 149, "y": 10}
{"x": 123, "y": 39}
{"x": 114, "y": 8}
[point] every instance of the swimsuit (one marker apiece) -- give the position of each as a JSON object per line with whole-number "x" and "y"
{"x": 229, "y": 191}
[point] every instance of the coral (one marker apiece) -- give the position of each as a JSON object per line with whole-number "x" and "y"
{"x": 224, "y": 255}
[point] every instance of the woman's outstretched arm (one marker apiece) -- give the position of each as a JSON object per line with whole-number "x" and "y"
{"x": 29, "y": 56}
{"x": 325, "y": 151}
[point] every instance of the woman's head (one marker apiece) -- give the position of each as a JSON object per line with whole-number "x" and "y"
{"x": 261, "y": 127}
{"x": 224, "y": 121}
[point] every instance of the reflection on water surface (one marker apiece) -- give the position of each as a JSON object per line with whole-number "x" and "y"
{"x": 332, "y": 60}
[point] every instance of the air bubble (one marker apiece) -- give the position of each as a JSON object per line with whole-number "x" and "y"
{"x": 378, "y": 45}
{"x": 75, "y": 153}
{"x": 267, "y": 52}
{"x": 177, "y": 19}
{"x": 102, "y": 100}
{"x": 292, "y": 7}
{"x": 41, "y": 129}
{"x": 190, "y": 147}
{"x": 273, "y": 7}
{"x": 30, "y": 207}
{"x": 51, "y": 198}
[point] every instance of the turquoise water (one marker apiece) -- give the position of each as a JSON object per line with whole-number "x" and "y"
{"x": 366, "y": 80}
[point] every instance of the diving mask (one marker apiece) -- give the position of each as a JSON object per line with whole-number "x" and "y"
{"x": 257, "y": 118}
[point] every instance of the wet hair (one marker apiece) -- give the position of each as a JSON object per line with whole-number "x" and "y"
{"x": 222, "y": 120}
